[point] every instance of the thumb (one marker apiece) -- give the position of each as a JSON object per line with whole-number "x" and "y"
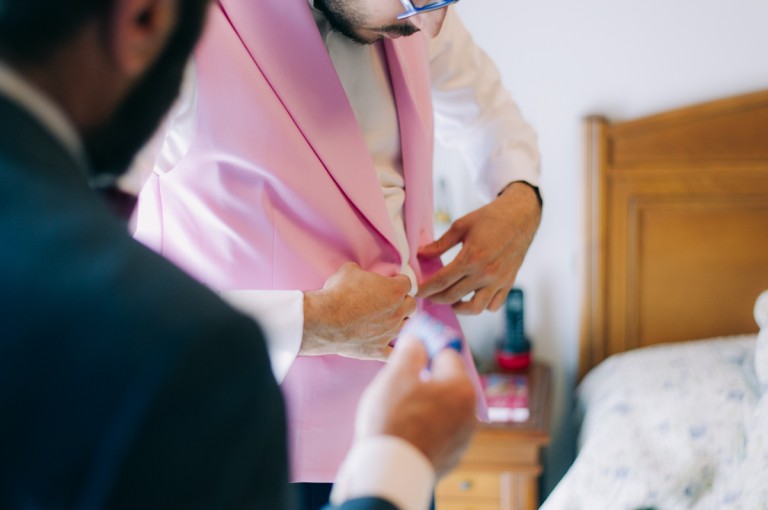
{"x": 408, "y": 358}
{"x": 448, "y": 365}
{"x": 447, "y": 241}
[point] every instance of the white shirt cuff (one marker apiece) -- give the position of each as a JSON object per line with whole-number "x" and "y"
{"x": 512, "y": 167}
{"x": 280, "y": 313}
{"x": 389, "y": 468}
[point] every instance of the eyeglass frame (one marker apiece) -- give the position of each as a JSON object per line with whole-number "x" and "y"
{"x": 412, "y": 10}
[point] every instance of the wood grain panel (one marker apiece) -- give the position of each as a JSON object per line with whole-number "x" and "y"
{"x": 726, "y": 130}
{"x": 698, "y": 267}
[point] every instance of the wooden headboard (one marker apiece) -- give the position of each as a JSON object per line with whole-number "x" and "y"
{"x": 677, "y": 226}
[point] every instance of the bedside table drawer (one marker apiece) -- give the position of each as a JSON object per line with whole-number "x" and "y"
{"x": 470, "y": 484}
{"x": 452, "y": 505}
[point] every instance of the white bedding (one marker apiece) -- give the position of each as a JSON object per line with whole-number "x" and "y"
{"x": 680, "y": 426}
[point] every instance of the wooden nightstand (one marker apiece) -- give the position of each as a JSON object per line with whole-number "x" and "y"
{"x": 500, "y": 470}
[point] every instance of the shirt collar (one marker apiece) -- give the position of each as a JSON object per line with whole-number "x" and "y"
{"x": 321, "y": 21}
{"x": 50, "y": 115}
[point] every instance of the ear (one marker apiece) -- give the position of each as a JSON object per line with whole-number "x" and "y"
{"x": 139, "y": 31}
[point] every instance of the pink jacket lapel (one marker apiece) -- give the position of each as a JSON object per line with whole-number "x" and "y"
{"x": 284, "y": 42}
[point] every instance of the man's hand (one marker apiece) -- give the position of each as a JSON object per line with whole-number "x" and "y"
{"x": 356, "y": 314}
{"x": 436, "y": 416}
{"x": 495, "y": 239}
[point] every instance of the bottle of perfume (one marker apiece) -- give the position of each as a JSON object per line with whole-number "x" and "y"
{"x": 513, "y": 351}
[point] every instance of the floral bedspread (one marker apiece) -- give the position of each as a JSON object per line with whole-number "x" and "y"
{"x": 679, "y": 426}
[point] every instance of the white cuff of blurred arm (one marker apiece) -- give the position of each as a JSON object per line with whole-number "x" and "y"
{"x": 389, "y": 468}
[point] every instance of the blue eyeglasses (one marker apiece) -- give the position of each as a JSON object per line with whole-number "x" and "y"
{"x": 412, "y": 10}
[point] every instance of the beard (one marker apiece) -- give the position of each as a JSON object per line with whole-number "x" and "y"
{"x": 346, "y": 20}
{"x": 110, "y": 148}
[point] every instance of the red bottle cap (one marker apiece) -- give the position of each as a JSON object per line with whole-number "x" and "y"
{"x": 513, "y": 361}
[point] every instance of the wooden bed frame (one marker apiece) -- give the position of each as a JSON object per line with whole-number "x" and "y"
{"x": 676, "y": 226}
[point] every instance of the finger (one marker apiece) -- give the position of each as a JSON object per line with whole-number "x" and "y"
{"x": 447, "y": 241}
{"x": 448, "y": 365}
{"x": 458, "y": 291}
{"x": 385, "y": 353}
{"x": 499, "y": 299}
{"x": 408, "y": 358}
{"x": 403, "y": 282}
{"x": 381, "y": 353}
{"x": 408, "y": 307}
{"x": 349, "y": 266}
{"x": 477, "y": 304}
{"x": 442, "y": 279}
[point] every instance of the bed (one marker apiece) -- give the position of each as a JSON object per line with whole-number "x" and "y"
{"x": 673, "y": 398}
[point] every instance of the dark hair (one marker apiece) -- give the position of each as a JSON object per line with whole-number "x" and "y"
{"x": 30, "y": 29}
{"x": 111, "y": 147}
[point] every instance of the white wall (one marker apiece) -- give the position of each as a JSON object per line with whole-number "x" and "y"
{"x": 564, "y": 59}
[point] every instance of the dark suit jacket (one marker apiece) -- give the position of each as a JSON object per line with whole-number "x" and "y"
{"x": 123, "y": 382}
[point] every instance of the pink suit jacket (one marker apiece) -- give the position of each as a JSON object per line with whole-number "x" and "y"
{"x": 278, "y": 190}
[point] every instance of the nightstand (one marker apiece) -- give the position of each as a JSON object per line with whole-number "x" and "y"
{"x": 501, "y": 467}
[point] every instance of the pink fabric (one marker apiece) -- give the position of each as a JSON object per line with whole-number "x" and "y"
{"x": 278, "y": 190}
